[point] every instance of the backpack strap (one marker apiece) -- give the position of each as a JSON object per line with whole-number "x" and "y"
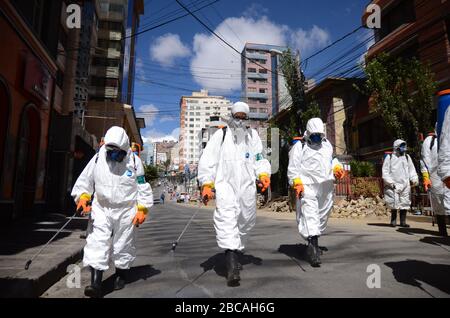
{"x": 433, "y": 140}
{"x": 224, "y": 129}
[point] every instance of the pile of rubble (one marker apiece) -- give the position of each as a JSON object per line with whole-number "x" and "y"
{"x": 355, "y": 209}
{"x": 280, "y": 204}
{"x": 360, "y": 208}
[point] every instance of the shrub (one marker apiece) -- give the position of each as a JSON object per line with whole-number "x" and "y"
{"x": 362, "y": 169}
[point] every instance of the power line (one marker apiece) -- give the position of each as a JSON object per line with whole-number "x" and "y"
{"x": 223, "y": 40}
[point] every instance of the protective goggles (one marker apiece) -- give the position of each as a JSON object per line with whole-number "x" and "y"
{"x": 115, "y": 154}
{"x": 316, "y": 138}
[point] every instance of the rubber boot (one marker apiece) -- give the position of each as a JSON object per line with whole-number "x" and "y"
{"x": 120, "y": 279}
{"x": 403, "y": 218}
{"x": 95, "y": 289}
{"x": 231, "y": 260}
{"x": 442, "y": 225}
{"x": 314, "y": 251}
{"x": 393, "y": 218}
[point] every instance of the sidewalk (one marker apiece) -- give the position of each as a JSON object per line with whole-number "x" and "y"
{"x": 22, "y": 239}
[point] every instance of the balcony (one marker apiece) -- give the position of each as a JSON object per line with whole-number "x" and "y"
{"x": 109, "y": 35}
{"x": 257, "y": 76}
{"x": 257, "y": 95}
{"x": 256, "y": 56}
{"x": 105, "y": 71}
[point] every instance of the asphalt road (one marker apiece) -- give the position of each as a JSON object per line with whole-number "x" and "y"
{"x": 412, "y": 263}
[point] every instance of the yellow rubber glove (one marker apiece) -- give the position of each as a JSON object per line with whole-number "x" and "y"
{"x": 84, "y": 204}
{"x": 426, "y": 180}
{"x": 264, "y": 178}
{"x": 207, "y": 192}
{"x": 141, "y": 215}
{"x": 298, "y": 186}
{"x": 339, "y": 173}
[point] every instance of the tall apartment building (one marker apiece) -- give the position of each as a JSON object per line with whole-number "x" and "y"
{"x": 263, "y": 86}
{"x": 112, "y": 70}
{"x": 195, "y": 113}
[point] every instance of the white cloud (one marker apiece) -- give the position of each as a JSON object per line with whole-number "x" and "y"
{"x": 167, "y": 48}
{"x": 210, "y": 53}
{"x": 140, "y": 69}
{"x": 148, "y": 112}
{"x": 152, "y": 114}
{"x": 157, "y": 136}
{"x": 310, "y": 40}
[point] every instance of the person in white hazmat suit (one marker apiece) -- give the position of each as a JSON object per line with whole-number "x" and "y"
{"x": 231, "y": 163}
{"x": 311, "y": 172}
{"x": 438, "y": 192}
{"x": 444, "y": 153}
{"x": 121, "y": 202}
{"x": 398, "y": 173}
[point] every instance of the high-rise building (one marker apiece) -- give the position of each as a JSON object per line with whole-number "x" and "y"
{"x": 263, "y": 85}
{"x": 112, "y": 70}
{"x": 195, "y": 113}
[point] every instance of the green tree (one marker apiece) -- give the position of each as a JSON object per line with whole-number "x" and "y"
{"x": 151, "y": 172}
{"x": 403, "y": 92}
{"x": 302, "y": 107}
{"x": 294, "y": 80}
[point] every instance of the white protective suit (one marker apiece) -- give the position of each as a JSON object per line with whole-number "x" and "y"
{"x": 314, "y": 166}
{"x": 119, "y": 187}
{"x": 233, "y": 167}
{"x": 444, "y": 148}
{"x": 398, "y": 171}
{"x": 439, "y": 194}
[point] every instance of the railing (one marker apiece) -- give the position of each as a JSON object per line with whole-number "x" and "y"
{"x": 348, "y": 187}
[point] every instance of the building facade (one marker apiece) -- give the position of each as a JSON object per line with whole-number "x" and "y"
{"x": 263, "y": 85}
{"x": 409, "y": 28}
{"x": 46, "y": 138}
{"x": 195, "y": 113}
{"x": 112, "y": 70}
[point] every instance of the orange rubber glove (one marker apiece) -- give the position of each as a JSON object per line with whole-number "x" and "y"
{"x": 84, "y": 204}
{"x": 447, "y": 182}
{"x": 298, "y": 186}
{"x": 207, "y": 192}
{"x": 141, "y": 215}
{"x": 339, "y": 173}
{"x": 426, "y": 181}
{"x": 265, "y": 182}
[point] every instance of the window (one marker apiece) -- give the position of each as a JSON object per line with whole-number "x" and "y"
{"x": 197, "y": 114}
{"x": 262, "y": 71}
{"x": 251, "y": 70}
{"x": 252, "y": 89}
{"x": 208, "y": 108}
{"x": 262, "y": 90}
{"x": 263, "y": 110}
{"x": 393, "y": 18}
{"x": 253, "y": 110}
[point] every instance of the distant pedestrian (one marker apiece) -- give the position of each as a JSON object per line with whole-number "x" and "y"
{"x": 162, "y": 197}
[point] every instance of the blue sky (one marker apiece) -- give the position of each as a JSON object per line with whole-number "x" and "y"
{"x": 185, "y": 55}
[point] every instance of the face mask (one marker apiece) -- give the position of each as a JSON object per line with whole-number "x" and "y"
{"x": 116, "y": 155}
{"x": 402, "y": 149}
{"x": 315, "y": 139}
